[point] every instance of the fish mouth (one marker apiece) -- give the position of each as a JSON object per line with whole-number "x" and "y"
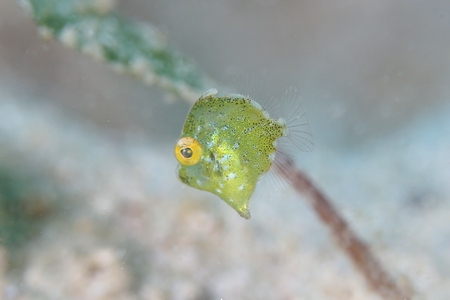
{"x": 183, "y": 178}
{"x": 181, "y": 174}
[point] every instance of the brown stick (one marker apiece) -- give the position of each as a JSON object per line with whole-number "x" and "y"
{"x": 359, "y": 253}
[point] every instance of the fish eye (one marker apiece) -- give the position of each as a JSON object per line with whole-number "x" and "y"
{"x": 188, "y": 151}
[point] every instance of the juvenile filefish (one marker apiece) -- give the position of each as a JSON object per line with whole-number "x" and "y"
{"x": 229, "y": 142}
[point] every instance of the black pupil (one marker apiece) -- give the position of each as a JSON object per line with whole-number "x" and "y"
{"x": 186, "y": 152}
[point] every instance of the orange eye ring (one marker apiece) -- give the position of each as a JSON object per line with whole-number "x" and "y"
{"x": 188, "y": 151}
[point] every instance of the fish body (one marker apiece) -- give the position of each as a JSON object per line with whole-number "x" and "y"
{"x": 227, "y": 144}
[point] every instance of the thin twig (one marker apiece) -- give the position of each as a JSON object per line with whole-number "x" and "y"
{"x": 359, "y": 253}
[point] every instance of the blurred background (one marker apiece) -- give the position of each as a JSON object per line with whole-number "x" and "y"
{"x": 90, "y": 205}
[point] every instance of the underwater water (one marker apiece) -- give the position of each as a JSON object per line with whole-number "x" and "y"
{"x": 90, "y": 203}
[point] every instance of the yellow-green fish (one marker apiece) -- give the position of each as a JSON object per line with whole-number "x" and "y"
{"x": 229, "y": 142}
